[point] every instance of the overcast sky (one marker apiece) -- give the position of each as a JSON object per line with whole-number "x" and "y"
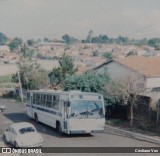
{"x": 53, "y": 18}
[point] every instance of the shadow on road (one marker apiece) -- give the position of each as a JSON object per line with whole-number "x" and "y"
{"x": 41, "y": 128}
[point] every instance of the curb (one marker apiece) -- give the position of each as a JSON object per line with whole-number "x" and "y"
{"x": 133, "y": 135}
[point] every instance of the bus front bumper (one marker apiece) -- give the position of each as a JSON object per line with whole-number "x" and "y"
{"x": 86, "y": 132}
{"x": 83, "y": 126}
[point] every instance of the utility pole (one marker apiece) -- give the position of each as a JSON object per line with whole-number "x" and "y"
{"x": 20, "y": 85}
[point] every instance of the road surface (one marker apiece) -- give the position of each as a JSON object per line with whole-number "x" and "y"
{"x": 16, "y": 112}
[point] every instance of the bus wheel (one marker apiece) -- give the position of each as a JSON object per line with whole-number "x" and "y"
{"x": 59, "y": 129}
{"x": 36, "y": 118}
{"x": 5, "y": 139}
{"x": 15, "y": 144}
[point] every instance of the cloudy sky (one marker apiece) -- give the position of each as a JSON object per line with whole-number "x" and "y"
{"x": 53, "y": 18}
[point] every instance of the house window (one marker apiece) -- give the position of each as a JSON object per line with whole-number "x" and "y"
{"x": 156, "y": 89}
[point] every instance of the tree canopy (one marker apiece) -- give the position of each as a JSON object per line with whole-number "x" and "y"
{"x": 15, "y": 44}
{"x": 3, "y": 39}
{"x": 88, "y": 82}
{"x": 31, "y": 42}
{"x": 66, "y": 67}
{"x": 31, "y": 74}
{"x": 68, "y": 39}
{"x": 108, "y": 55}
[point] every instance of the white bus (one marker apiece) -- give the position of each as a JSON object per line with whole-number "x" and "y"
{"x": 71, "y": 112}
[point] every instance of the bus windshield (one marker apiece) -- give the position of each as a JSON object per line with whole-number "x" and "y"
{"x": 86, "y": 109}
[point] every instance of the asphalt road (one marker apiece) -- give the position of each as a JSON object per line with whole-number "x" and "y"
{"x": 16, "y": 112}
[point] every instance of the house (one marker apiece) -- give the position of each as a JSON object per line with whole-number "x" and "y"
{"x": 145, "y": 71}
{"x": 4, "y": 48}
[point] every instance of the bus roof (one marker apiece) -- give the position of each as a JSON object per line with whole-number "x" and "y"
{"x": 61, "y": 92}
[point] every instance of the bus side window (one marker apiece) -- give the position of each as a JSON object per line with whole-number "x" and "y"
{"x": 37, "y": 99}
{"x": 48, "y": 104}
{"x": 34, "y": 98}
{"x": 48, "y": 101}
{"x": 43, "y": 100}
{"x": 55, "y": 102}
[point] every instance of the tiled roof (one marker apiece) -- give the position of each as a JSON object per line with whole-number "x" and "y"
{"x": 148, "y": 66}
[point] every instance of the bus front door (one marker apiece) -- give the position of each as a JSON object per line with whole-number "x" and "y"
{"x": 31, "y": 108}
{"x": 65, "y": 116}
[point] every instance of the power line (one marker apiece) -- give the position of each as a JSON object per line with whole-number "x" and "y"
{"x": 143, "y": 29}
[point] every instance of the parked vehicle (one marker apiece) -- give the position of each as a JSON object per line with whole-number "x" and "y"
{"x": 23, "y": 134}
{"x": 2, "y": 108}
{"x": 71, "y": 112}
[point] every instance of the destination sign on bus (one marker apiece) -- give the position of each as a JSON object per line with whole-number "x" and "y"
{"x": 88, "y": 97}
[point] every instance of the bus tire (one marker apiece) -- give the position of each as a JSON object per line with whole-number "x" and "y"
{"x": 36, "y": 118}
{"x": 5, "y": 139}
{"x": 15, "y": 144}
{"x": 59, "y": 128}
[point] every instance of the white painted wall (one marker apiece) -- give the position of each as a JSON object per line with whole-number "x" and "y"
{"x": 153, "y": 82}
{"x": 120, "y": 72}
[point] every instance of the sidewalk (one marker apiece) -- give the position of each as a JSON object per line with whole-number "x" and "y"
{"x": 138, "y": 136}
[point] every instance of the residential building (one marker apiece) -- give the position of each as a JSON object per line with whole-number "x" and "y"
{"x": 144, "y": 71}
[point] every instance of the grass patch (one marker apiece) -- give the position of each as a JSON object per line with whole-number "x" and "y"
{"x": 115, "y": 122}
{"x": 5, "y": 78}
{"x": 143, "y": 127}
{"x": 7, "y": 85}
{"x": 146, "y": 128}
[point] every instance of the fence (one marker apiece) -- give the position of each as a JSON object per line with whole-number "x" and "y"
{"x": 142, "y": 110}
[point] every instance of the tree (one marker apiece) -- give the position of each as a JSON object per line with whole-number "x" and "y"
{"x": 30, "y": 42}
{"x": 38, "y": 41}
{"x": 26, "y": 51}
{"x": 89, "y": 37}
{"x": 105, "y": 39}
{"x": 3, "y": 39}
{"x": 88, "y": 82}
{"x": 95, "y": 53}
{"x": 143, "y": 41}
{"x": 108, "y": 56}
{"x": 66, "y": 67}
{"x": 154, "y": 42}
{"x": 100, "y": 39}
{"x": 68, "y": 39}
{"x": 122, "y": 40}
{"x": 31, "y": 74}
{"x": 46, "y": 40}
{"x": 123, "y": 91}
{"x": 131, "y": 53}
{"x": 15, "y": 44}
